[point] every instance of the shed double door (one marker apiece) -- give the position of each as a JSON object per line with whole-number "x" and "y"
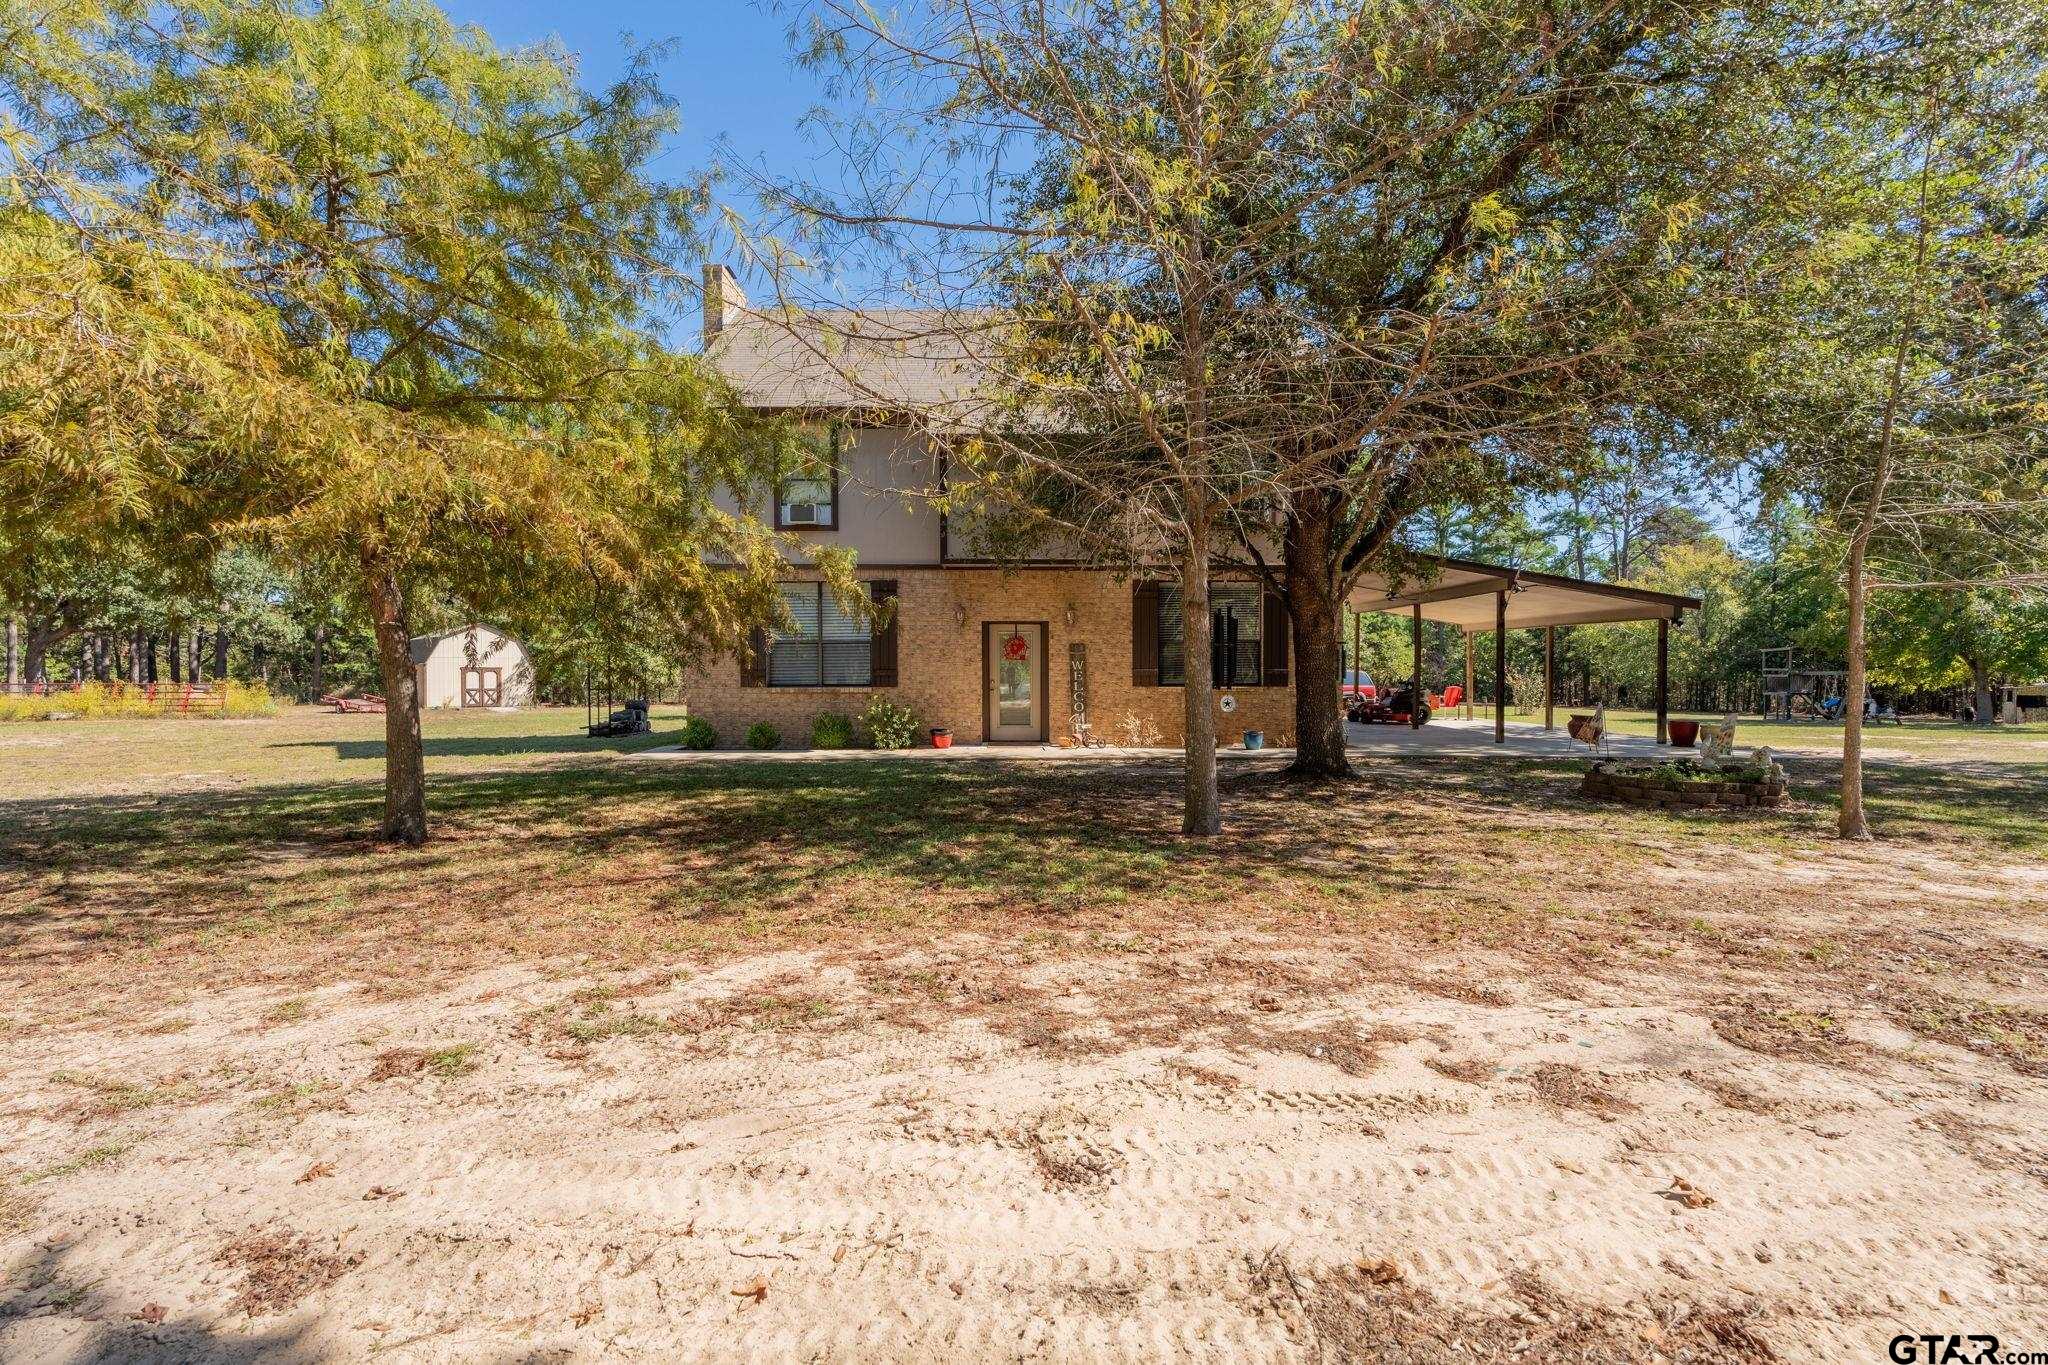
{"x": 483, "y": 687}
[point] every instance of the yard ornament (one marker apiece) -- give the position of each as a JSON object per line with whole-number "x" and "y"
{"x": 1718, "y": 741}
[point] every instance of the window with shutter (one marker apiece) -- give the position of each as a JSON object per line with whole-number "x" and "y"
{"x": 1236, "y": 632}
{"x": 882, "y": 650}
{"x": 827, "y": 646}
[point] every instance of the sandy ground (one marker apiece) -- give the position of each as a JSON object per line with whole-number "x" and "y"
{"x": 1229, "y": 1148}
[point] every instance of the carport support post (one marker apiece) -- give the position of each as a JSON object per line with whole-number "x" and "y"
{"x": 1468, "y": 675}
{"x": 1663, "y": 680}
{"x": 1550, "y": 677}
{"x": 1415, "y": 669}
{"x": 1500, "y": 668}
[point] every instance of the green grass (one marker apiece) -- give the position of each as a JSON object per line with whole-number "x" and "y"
{"x": 86, "y": 1160}
{"x": 1928, "y": 739}
{"x": 115, "y": 878}
{"x": 301, "y": 744}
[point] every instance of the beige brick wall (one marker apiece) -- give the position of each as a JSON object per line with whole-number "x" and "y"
{"x": 939, "y": 623}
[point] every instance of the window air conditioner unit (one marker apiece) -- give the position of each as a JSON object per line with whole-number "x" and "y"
{"x": 800, "y": 514}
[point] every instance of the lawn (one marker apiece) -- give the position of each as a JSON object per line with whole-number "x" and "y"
{"x": 862, "y": 1057}
{"x": 1944, "y": 741}
{"x": 302, "y": 744}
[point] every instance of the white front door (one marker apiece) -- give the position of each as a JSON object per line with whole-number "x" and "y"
{"x": 1015, "y": 679}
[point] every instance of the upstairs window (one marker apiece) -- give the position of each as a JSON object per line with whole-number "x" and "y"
{"x": 1235, "y": 619}
{"x": 827, "y": 648}
{"x": 807, "y": 493}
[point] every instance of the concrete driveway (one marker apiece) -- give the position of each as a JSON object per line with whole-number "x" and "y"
{"x": 1456, "y": 735}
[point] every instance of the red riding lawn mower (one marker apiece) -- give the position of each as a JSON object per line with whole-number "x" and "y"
{"x": 1369, "y": 707}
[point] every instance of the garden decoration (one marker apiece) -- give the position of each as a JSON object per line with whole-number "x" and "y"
{"x": 1717, "y": 742}
{"x": 1590, "y": 731}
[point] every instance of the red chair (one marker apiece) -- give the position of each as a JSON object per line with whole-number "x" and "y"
{"x": 1452, "y": 696}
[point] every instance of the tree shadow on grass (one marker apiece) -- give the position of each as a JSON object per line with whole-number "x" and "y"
{"x": 492, "y": 746}
{"x": 707, "y": 844}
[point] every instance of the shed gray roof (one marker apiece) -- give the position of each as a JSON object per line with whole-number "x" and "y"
{"x": 880, "y": 359}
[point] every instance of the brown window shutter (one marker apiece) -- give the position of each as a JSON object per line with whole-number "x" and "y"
{"x": 754, "y": 660}
{"x": 882, "y": 646}
{"x": 1144, "y": 635}
{"x": 1273, "y": 639}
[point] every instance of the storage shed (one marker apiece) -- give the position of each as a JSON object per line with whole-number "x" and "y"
{"x": 472, "y": 666}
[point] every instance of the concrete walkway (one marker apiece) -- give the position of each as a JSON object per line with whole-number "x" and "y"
{"x": 1456, "y": 735}
{"x": 926, "y": 754}
{"x": 1443, "y": 735}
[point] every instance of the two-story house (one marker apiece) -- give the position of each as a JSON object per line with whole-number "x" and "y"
{"x": 1033, "y": 648}
{"x": 1042, "y": 650}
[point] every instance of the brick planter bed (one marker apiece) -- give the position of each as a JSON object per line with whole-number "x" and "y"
{"x": 1635, "y": 785}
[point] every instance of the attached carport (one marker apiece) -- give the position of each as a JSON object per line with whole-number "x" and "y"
{"x": 1479, "y": 597}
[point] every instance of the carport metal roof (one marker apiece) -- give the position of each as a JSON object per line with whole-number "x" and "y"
{"x": 1461, "y": 592}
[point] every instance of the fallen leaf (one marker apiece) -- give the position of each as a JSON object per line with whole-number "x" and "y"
{"x": 839, "y": 1255}
{"x": 1574, "y": 1167}
{"x": 1688, "y": 1194}
{"x": 1380, "y": 1271}
{"x": 582, "y": 1316}
{"x": 319, "y": 1170}
{"x": 957, "y": 1288}
{"x": 1947, "y": 1297}
{"x": 149, "y": 1312}
{"x": 1266, "y": 1003}
{"x": 755, "y": 1289}
{"x": 383, "y": 1192}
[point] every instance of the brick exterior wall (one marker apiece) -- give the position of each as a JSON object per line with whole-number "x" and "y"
{"x": 940, "y": 615}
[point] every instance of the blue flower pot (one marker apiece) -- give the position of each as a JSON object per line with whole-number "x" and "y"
{"x": 1255, "y": 739}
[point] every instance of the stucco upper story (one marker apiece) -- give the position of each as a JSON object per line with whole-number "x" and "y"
{"x": 849, "y": 375}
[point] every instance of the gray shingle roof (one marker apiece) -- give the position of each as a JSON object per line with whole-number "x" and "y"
{"x": 902, "y": 358}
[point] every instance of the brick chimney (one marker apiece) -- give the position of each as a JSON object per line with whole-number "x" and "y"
{"x": 723, "y": 300}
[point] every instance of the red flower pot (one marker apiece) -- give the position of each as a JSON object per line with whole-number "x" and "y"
{"x": 1683, "y": 733}
{"x": 941, "y": 738}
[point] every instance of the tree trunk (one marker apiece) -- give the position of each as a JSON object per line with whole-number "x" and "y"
{"x": 176, "y": 649}
{"x": 1980, "y": 681}
{"x": 194, "y": 670}
{"x": 220, "y": 653}
{"x": 35, "y": 647}
{"x": 319, "y": 662}
{"x": 1315, "y": 622}
{"x": 405, "y": 773}
{"x": 1853, "y": 824}
{"x": 1201, "y": 808}
{"x": 149, "y": 660}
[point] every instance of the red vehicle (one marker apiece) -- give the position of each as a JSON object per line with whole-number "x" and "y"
{"x": 1357, "y": 686}
{"x": 1395, "y": 708}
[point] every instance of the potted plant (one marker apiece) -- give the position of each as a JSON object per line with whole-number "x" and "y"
{"x": 942, "y": 738}
{"x": 1683, "y": 733}
{"x": 1255, "y": 739}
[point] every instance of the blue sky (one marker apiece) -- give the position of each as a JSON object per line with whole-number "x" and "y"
{"x": 730, "y": 72}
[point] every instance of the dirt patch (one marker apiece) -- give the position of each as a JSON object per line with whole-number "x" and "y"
{"x": 2020, "y": 1036}
{"x": 1353, "y": 1314}
{"x": 1563, "y": 1086}
{"x": 279, "y": 1270}
{"x": 1792, "y": 1033}
{"x": 1999, "y": 1148}
{"x": 1067, "y": 1154}
{"x": 1341, "y": 1045}
{"x": 1470, "y": 1070}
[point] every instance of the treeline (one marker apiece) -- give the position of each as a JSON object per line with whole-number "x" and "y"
{"x": 1778, "y": 588}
